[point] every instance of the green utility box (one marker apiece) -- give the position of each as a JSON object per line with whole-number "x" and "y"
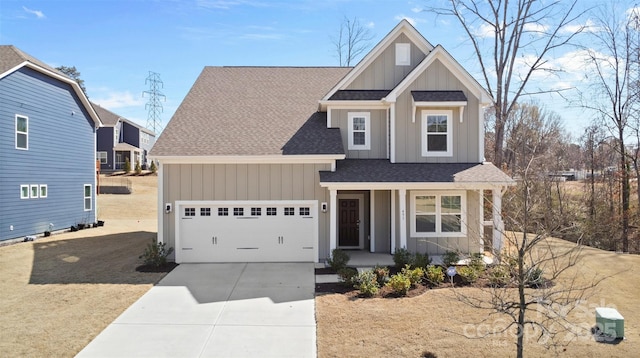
{"x": 610, "y": 322}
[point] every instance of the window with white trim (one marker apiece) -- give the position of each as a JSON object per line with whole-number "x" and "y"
{"x": 34, "y": 191}
{"x": 44, "y": 191}
{"x": 22, "y": 132}
{"x": 438, "y": 214}
{"x": 24, "y": 191}
{"x": 437, "y": 137}
{"x": 359, "y": 131}
{"x": 144, "y": 138}
{"x": 87, "y": 197}
{"x": 102, "y": 157}
{"x": 403, "y": 54}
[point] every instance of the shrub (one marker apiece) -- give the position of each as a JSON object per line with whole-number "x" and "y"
{"x": 138, "y": 168}
{"x": 338, "y": 260}
{"x": 434, "y": 275}
{"x": 450, "y": 258}
{"x": 499, "y": 275}
{"x": 382, "y": 274}
{"x": 421, "y": 260}
{"x": 153, "y": 167}
{"x": 534, "y": 277}
{"x": 349, "y": 276}
{"x": 402, "y": 257}
{"x": 414, "y": 276}
{"x": 469, "y": 274}
{"x": 399, "y": 283}
{"x": 477, "y": 262}
{"x": 367, "y": 283}
{"x": 127, "y": 165}
{"x": 155, "y": 254}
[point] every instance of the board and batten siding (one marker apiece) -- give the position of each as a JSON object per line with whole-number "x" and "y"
{"x": 378, "y": 132}
{"x": 244, "y": 182}
{"x": 408, "y": 135}
{"x": 61, "y": 155}
{"x": 105, "y": 144}
{"x": 383, "y": 73}
{"x": 382, "y": 213}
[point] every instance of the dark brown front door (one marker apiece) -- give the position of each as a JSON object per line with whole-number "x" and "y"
{"x": 349, "y": 225}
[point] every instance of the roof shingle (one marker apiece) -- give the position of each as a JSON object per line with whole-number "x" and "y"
{"x": 439, "y": 96}
{"x": 359, "y": 95}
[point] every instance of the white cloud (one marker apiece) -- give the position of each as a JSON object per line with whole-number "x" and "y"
{"x": 416, "y": 10}
{"x": 114, "y": 100}
{"x": 411, "y": 20}
{"x": 39, "y": 14}
{"x": 535, "y": 27}
{"x": 370, "y": 25}
{"x": 484, "y": 31}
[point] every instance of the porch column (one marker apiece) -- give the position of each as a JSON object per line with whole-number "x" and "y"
{"x": 403, "y": 218}
{"x": 333, "y": 216}
{"x": 393, "y": 221}
{"x": 498, "y": 225}
{"x": 372, "y": 221}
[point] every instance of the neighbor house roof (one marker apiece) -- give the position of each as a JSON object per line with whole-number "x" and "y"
{"x": 110, "y": 119}
{"x": 249, "y": 111}
{"x": 383, "y": 171}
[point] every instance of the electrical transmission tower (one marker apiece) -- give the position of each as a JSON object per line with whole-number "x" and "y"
{"x": 154, "y": 122}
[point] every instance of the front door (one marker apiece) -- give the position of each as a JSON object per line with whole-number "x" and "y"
{"x": 349, "y": 214}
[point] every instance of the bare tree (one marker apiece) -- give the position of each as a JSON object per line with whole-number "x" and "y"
{"x": 614, "y": 96}
{"x": 521, "y": 42}
{"x": 352, "y": 40}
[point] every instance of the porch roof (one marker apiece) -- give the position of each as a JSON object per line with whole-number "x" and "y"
{"x": 383, "y": 171}
{"x": 126, "y": 147}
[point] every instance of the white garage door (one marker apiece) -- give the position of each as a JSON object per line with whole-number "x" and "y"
{"x": 246, "y": 231}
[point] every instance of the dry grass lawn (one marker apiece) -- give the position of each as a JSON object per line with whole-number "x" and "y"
{"x": 59, "y": 292}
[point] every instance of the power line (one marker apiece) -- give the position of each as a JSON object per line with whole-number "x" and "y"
{"x": 154, "y": 106}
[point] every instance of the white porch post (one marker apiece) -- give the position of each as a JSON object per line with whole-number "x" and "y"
{"x": 372, "y": 221}
{"x": 333, "y": 216}
{"x": 393, "y": 221}
{"x": 403, "y": 218}
{"x": 498, "y": 225}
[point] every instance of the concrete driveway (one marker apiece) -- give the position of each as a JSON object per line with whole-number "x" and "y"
{"x": 218, "y": 310}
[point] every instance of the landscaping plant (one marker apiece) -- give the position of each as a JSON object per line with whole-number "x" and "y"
{"x": 450, "y": 258}
{"x": 399, "y": 284}
{"x": 469, "y": 273}
{"x": 348, "y": 276}
{"x": 138, "y": 168}
{"x": 127, "y": 165}
{"x": 367, "y": 283}
{"x": 402, "y": 257}
{"x": 382, "y": 274}
{"x": 434, "y": 275}
{"x": 414, "y": 275}
{"x": 155, "y": 254}
{"x": 421, "y": 260}
{"x": 338, "y": 260}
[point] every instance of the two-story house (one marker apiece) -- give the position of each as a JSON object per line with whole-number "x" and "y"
{"x": 47, "y": 146}
{"x": 120, "y": 139}
{"x": 289, "y": 163}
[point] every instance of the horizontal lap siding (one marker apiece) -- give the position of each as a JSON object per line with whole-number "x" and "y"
{"x": 244, "y": 182}
{"x": 61, "y": 155}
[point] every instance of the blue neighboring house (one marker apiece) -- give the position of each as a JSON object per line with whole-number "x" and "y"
{"x": 47, "y": 148}
{"x": 120, "y": 139}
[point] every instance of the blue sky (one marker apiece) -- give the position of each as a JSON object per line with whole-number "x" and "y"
{"x": 115, "y": 43}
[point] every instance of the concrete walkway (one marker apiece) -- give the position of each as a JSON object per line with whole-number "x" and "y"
{"x": 218, "y": 310}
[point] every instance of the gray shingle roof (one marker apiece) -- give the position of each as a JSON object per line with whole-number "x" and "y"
{"x": 438, "y": 96}
{"x": 11, "y": 56}
{"x": 108, "y": 118}
{"x": 315, "y": 138}
{"x": 245, "y": 110}
{"x": 359, "y": 95}
{"x": 383, "y": 171}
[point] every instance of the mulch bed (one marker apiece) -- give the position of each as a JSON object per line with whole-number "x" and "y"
{"x": 168, "y": 267}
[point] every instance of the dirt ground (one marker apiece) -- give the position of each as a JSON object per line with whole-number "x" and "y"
{"x": 59, "y": 292}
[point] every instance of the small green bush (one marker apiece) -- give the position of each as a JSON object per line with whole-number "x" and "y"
{"x": 138, "y": 168}
{"x": 155, "y": 254}
{"x": 127, "y": 165}
{"x": 434, "y": 275}
{"x": 477, "y": 262}
{"x": 421, "y": 260}
{"x": 348, "y": 276}
{"x": 399, "y": 284}
{"x": 402, "y": 257}
{"x": 338, "y": 260}
{"x": 367, "y": 283}
{"x": 382, "y": 274}
{"x": 469, "y": 274}
{"x": 499, "y": 275}
{"x": 414, "y": 275}
{"x": 153, "y": 167}
{"x": 534, "y": 277}
{"x": 450, "y": 258}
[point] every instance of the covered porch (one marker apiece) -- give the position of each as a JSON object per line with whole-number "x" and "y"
{"x": 124, "y": 151}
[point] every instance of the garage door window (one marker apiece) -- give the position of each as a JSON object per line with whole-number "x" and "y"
{"x": 205, "y": 211}
{"x": 304, "y": 211}
{"x": 271, "y": 212}
{"x": 189, "y": 211}
{"x": 256, "y": 211}
{"x": 238, "y": 211}
{"x": 223, "y": 211}
{"x": 289, "y": 211}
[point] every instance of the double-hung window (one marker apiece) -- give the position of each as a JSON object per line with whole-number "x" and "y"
{"x": 22, "y": 132}
{"x": 359, "y": 131}
{"x": 438, "y": 214}
{"x": 102, "y": 157}
{"x": 437, "y": 138}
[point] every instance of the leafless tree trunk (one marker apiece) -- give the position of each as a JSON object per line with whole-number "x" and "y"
{"x": 515, "y": 29}
{"x": 352, "y": 40}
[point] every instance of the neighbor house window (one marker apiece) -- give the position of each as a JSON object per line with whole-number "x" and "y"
{"x": 437, "y": 138}
{"x": 24, "y": 192}
{"x": 43, "y": 190}
{"x": 34, "y": 191}
{"x": 144, "y": 138}
{"x": 87, "y": 197}
{"x": 22, "y": 132}
{"x": 359, "y": 131}
{"x": 102, "y": 157}
{"x": 438, "y": 214}
{"x": 403, "y": 54}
